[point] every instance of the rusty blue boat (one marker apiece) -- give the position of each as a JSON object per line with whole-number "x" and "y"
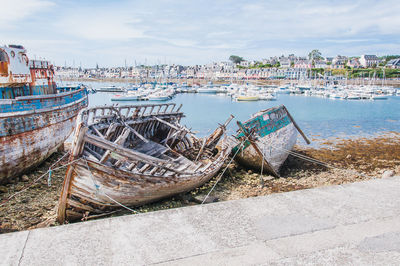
{"x": 36, "y": 116}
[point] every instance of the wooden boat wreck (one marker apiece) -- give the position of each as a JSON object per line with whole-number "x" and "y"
{"x": 132, "y": 155}
{"x": 264, "y": 141}
{"x": 35, "y": 116}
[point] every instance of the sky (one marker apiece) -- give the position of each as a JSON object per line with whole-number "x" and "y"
{"x": 187, "y": 32}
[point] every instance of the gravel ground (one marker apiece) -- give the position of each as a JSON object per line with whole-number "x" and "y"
{"x": 349, "y": 160}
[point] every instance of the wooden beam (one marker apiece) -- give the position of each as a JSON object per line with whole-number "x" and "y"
{"x": 136, "y": 133}
{"x": 119, "y": 141}
{"x": 129, "y": 154}
{"x": 297, "y": 126}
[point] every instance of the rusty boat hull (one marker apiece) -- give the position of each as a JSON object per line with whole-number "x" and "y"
{"x": 133, "y": 155}
{"x": 30, "y": 136}
{"x": 36, "y": 116}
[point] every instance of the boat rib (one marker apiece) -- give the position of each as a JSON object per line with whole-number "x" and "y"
{"x": 132, "y": 155}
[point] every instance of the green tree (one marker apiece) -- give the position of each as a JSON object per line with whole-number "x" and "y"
{"x": 315, "y": 55}
{"x": 236, "y": 59}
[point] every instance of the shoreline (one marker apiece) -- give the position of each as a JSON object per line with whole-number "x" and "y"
{"x": 279, "y": 82}
{"x": 349, "y": 160}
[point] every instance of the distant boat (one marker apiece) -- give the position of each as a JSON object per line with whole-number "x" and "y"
{"x": 268, "y": 137}
{"x": 282, "y": 90}
{"x": 378, "y": 97}
{"x": 128, "y": 96}
{"x": 36, "y": 117}
{"x": 247, "y": 98}
{"x": 353, "y": 97}
{"x": 111, "y": 88}
{"x": 160, "y": 96}
{"x": 209, "y": 88}
{"x": 267, "y": 97}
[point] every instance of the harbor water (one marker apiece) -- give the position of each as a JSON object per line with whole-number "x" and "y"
{"x": 320, "y": 118}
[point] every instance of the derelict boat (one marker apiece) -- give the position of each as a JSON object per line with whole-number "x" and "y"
{"x": 268, "y": 137}
{"x": 132, "y": 155}
{"x": 36, "y": 117}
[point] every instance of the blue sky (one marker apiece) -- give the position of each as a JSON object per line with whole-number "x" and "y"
{"x": 197, "y": 32}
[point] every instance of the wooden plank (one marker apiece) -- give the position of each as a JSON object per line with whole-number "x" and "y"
{"x": 79, "y": 205}
{"x": 136, "y": 133}
{"x": 297, "y": 126}
{"x": 97, "y": 131}
{"x": 110, "y": 130}
{"x": 119, "y": 141}
{"x": 129, "y": 154}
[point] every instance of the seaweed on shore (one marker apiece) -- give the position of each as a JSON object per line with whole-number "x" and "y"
{"x": 349, "y": 160}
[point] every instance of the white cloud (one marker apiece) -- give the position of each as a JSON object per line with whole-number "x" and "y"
{"x": 15, "y": 10}
{"x": 100, "y": 25}
{"x": 200, "y": 31}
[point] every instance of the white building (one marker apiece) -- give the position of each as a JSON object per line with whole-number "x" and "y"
{"x": 369, "y": 60}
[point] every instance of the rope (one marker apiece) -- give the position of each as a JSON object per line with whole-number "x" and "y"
{"x": 220, "y": 176}
{"x": 40, "y": 177}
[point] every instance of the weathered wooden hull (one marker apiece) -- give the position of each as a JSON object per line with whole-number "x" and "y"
{"x": 132, "y": 155}
{"x": 268, "y": 137}
{"x": 21, "y": 148}
{"x": 275, "y": 149}
{"x": 101, "y": 186}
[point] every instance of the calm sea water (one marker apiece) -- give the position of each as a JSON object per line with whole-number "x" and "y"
{"x": 319, "y": 118}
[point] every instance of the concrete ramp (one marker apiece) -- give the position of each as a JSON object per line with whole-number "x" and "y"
{"x": 354, "y": 224}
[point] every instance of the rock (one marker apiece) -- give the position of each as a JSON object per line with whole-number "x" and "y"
{"x": 268, "y": 178}
{"x": 348, "y": 156}
{"x": 200, "y": 198}
{"x": 388, "y": 173}
{"x": 3, "y": 189}
{"x": 24, "y": 178}
{"x": 25, "y": 200}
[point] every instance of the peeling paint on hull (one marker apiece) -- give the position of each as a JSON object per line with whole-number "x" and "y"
{"x": 21, "y": 151}
{"x": 269, "y": 137}
{"x": 275, "y": 148}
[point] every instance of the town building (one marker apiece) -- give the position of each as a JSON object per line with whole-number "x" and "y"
{"x": 369, "y": 60}
{"x": 394, "y": 63}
